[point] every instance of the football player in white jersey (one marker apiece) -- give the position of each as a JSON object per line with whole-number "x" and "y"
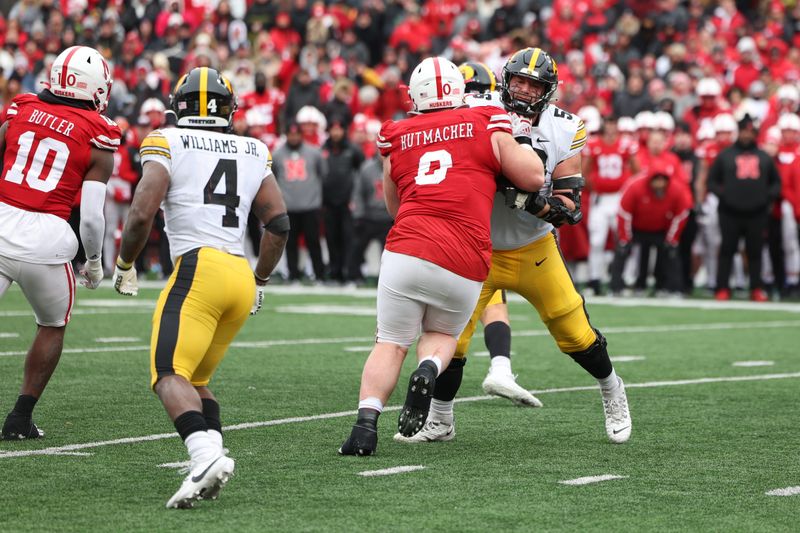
{"x": 525, "y": 254}
{"x": 207, "y": 182}
{"x": 480, "y": 85}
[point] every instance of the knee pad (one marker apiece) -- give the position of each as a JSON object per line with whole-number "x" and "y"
{"x": 594, "y": 359}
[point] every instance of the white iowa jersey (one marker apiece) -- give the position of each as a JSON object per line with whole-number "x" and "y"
{"x": 214, "y": 178}
{"x": 560, "y": 135}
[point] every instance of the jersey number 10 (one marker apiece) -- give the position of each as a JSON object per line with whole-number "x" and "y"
{"x": 40, "y": 157}
{"x": 230, "y": 198}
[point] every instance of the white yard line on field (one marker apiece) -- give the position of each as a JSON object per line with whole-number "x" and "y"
{"x": 9, "y": 335}
{"x": 523, "y": 333}
{"x": 753, "y": 363}
{"x": 390, "y": 471}
{"x": 299, "y": 419}
{"x": 590, "y": 479}
{"x": 105, "y": 340}
{"x": 626, "y": 358}
{"x": 788, "y": 491}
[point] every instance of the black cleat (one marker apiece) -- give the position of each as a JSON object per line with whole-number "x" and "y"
{"x": 363, "y": 440}
{"x": 20, "y": 427}
{"x": 418, "y": 399}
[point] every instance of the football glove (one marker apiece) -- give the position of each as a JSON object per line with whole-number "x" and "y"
{"x": 92, "y": 273}
{"x": 125, "y": 281}
{"x": 259, "y": 300}
{"x": 521, "y": 127}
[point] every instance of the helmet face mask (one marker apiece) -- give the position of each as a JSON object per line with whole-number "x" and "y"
{"x": 536, "y": 65}
{"x": 478, "y": 78}
{"x": 436, "y": 83}
{"x": 81, "y": 73}
{"x": 203, "y": 98}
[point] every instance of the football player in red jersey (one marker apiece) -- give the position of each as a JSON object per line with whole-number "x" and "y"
{"x": 55, "y": 145}
{"x": 608, "y": 164}
{"x": 440, "y": 167}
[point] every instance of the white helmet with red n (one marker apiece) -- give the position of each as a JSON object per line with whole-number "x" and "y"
{"x": 81, "y": 73}
{"x": 436, "y": 83}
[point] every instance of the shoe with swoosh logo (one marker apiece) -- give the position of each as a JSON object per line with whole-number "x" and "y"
{"x": 618, "y": 416}
{"x": 204, "y": 482}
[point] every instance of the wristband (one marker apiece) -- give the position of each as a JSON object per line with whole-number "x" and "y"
{"x": 123, "y": 265}
{"x": 260, "y": 280}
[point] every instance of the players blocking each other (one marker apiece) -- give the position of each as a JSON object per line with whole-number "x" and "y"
{"x": 440, "y": 166}
{"x": 480, "y": 85}
{"x": 55, "y": 144}
{"x": 208, "y": 181}
{"x": 525, "y": 255}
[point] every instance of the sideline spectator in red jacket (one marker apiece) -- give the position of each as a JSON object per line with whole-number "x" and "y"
{"x": 653, "y": 212}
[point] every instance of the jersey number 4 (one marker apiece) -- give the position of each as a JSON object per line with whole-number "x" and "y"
{"x": 229, "y": 198}
{"x": 41, "y": 158}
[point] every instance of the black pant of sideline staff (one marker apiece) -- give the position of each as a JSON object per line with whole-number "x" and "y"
{"x": 338, "y": 236}
{"x": 732, "y": 226}
{"x": 307, "y": 224}
{"x": 668, "y": 266}
{"x": 365, "y": 231}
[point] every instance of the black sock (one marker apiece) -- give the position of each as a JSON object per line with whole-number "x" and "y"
{"x": 595, "y": 359}
{"x": 211, "y": 414}
{"x": 497, "y": 337}
{"x": 190, "y": 422}
{"x": 368, "y": 417}
{"x": 24, "y": 406}
{"x": 448, "y": 383}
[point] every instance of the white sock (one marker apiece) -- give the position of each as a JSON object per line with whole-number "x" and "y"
{"x": 371, "y": 403}
{"x": 441, "y": 411}
{"x": 436, "y": 361}
{"x": 610, "y": 383}
{"x": 500, "y": 363}
{"x": 201, "y": 447}
{"x": 216, "y": 436}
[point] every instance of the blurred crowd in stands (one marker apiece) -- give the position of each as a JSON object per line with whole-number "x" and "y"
{"x": 689, "y": 91}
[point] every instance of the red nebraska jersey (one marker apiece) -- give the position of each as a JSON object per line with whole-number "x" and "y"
{"x": 268, "y": 104}
{"x": 444, "y": 168}
{"x": 610, "y": 164}
{"x": 48, "y": 148}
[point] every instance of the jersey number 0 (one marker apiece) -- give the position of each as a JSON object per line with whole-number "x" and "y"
{"x": 229, "y": 198}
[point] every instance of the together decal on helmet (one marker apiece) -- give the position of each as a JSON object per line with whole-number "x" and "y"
{"x": 204, "y": 98}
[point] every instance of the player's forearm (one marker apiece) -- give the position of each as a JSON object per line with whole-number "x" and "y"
{"x": 134, "y": 236}
{"x": 272, "y": 246}
{"x": 93, "y": 224}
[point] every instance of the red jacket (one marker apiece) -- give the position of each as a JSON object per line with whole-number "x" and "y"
{"x": 640, "y": 209}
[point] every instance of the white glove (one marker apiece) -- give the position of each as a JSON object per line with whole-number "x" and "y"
{"x": 92, "y": 273}
{"x": 259, "y": 300}
{"x": 520, "y": 126}
{"x": 125, "y": 281}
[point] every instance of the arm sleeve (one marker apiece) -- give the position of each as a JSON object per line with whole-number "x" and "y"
{"x": 93, "y": 224}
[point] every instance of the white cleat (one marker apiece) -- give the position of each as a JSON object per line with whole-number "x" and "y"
{"x": 204, "y": 482}
{"x": 618, "y": 416}
{"x": 432, "y": 431}
{"x": 504, "y": 385}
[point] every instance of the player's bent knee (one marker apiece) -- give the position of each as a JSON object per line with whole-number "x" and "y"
{"x": 572, "y": 331}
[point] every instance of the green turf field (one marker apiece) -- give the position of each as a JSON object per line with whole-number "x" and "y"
{"x": 709, "y": 438}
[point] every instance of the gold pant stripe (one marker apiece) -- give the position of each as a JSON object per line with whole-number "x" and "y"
{"x": 190, "y": 340}
{"x": 538, "y": 273}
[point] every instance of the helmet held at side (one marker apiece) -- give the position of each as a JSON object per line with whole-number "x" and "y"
{"x": 81, "y": 73}
{"x": 203, "y": 98}
{"x": 534, "y": 64}
{"x": 436, "y": 83}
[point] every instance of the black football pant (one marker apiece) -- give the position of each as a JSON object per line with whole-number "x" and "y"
{"x": 338, "y": 236}
{"x": 733, "y": 226}
{"x": 305, "y": 223}
{"x": 776, "y": 254}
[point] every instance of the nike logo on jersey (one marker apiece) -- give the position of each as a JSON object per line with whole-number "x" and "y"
{"x": 202, "y": 474}
{"x": 540, "y": 262}
{"x": 620, "y": 430}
